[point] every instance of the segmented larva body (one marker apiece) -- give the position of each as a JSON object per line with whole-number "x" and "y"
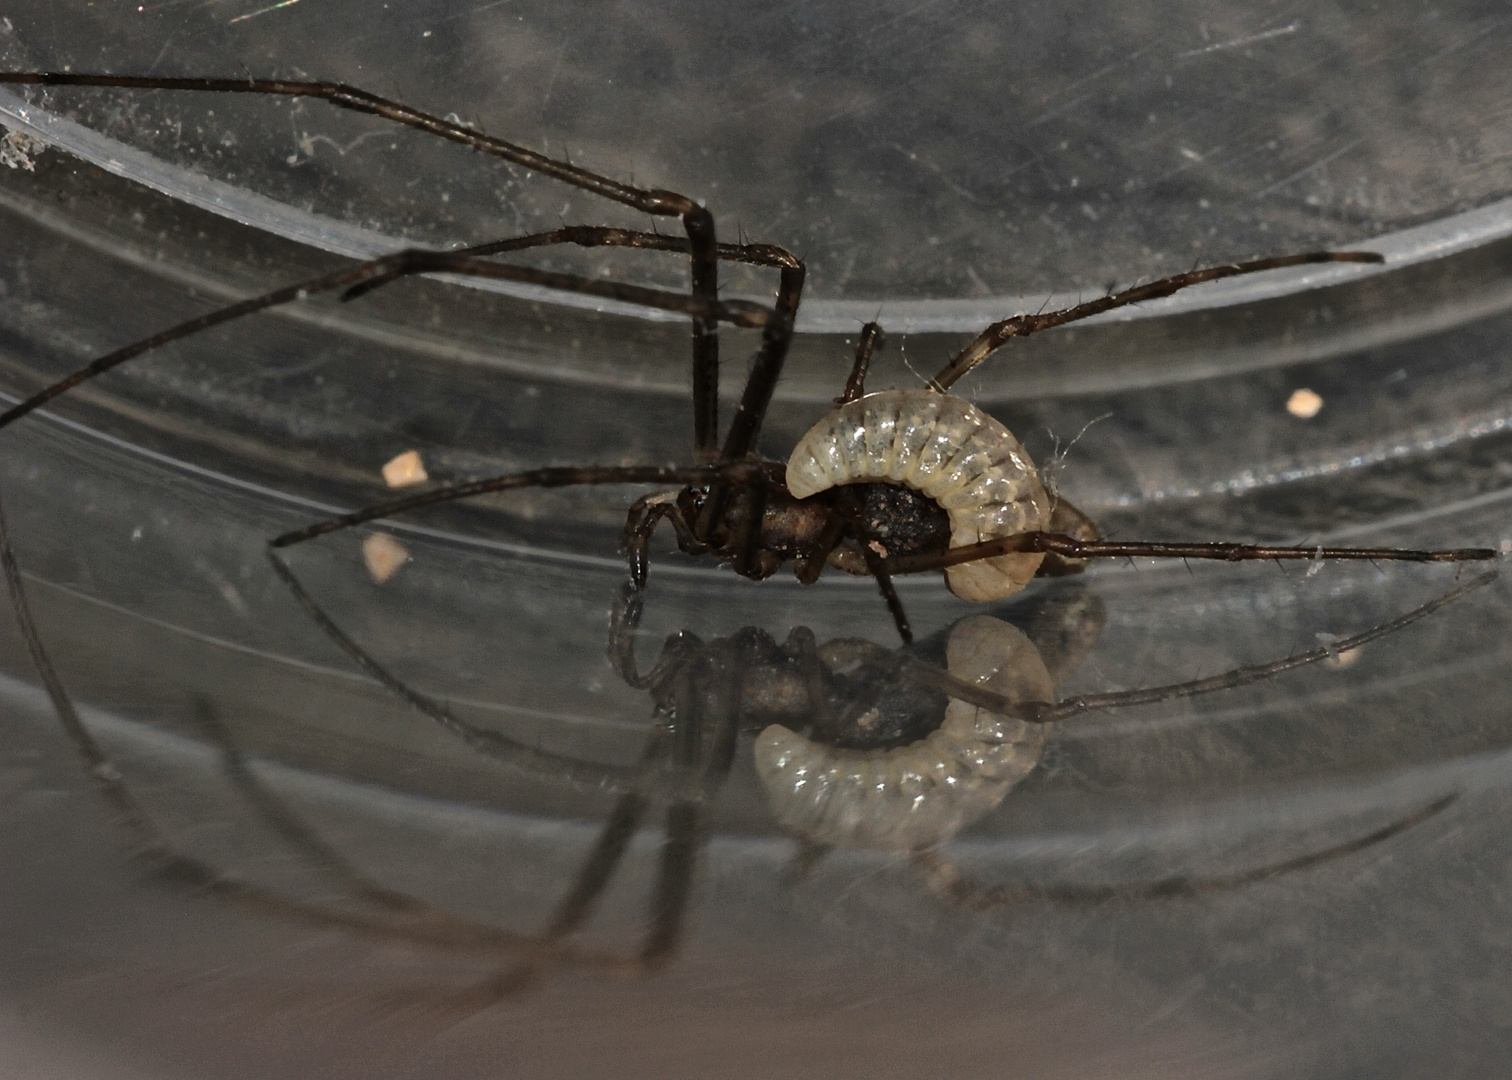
{"x": 914, "y": 797}
{"x": 948, "y": 450}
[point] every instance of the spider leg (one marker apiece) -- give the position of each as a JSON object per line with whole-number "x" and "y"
{"x": 698, "y": 223}
{"x": 589, "y": 236}
{"x": 877, "y": 564}
{"x": 748, "y": 539}
{"x": 855, "y": 386}
{"x": 1070, "y": 548}
{"x": 392, "y": 266}
{"x": 565, "y": 476}
{"x": 766, "y": 369}
{"x": 592, "y": 236}
{"x": 640, "y": 523}
{"x": 947, "y": 881}
{"x": 809, "y": 565}
{"x": 999, "y": 333}
{"x": 655, "y": 202}
{"x": 878, "y": 567}
{"x": 1068, "y": 520}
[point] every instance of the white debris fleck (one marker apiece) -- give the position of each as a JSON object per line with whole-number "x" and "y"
{"x": 1304, "y": 404}
{"x": 19, "y": 150}
{"x": 406, "y": 470}
{"x": 384, "y": 556}
{"x": 1315, "y": 563}
{"x": 1337, "y": 658}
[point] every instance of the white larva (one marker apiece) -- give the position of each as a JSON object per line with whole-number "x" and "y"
{"x": 947, "y": 449}
{"x": 911, "y": 798}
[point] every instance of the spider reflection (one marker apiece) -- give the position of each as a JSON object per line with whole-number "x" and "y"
{"x": 855, "y": 745}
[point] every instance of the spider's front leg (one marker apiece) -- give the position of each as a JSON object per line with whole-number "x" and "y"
{"x": 640, "y": 524}
{"x": 1000, "y": 333}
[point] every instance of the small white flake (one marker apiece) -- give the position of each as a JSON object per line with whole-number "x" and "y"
{"x": 1304, "y": 404}
{"x": 384, "y": 556}
{"x": 406, "y": 470}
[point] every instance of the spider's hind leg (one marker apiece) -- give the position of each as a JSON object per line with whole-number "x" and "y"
{"x": 1000, "y": 333}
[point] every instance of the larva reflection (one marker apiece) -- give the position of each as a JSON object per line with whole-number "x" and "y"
{"x": 920, "y": 794}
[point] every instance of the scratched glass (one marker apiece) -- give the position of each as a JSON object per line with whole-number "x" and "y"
{"x": 938, "y": 167}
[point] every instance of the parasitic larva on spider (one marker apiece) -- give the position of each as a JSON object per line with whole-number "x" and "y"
{"x": 966, "y": 464}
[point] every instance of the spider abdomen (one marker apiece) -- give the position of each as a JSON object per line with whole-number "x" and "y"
{"x": 946, "y": 449}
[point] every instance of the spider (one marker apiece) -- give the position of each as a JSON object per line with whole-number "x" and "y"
{"x": 891, "y": 482}
{"x": 902, "y": 481}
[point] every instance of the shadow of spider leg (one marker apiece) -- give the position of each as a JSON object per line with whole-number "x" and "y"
{"x": 400, "y": 916}
{"x": 396, "y": 917}
{"x": 535, "y": 953}
{"x": 945, "y": 879}
{"x": 697, "y": 690}
{"x": 377, "y": 270}
{"x": 838, "y": 789}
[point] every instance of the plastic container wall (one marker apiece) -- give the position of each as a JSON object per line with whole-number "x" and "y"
{"x": 937, "y": 168}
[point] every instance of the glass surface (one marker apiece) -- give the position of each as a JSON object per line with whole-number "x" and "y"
{"x": 938, "y": 167}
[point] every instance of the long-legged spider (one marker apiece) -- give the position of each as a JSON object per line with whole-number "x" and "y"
{"x": 901, "y": 481}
